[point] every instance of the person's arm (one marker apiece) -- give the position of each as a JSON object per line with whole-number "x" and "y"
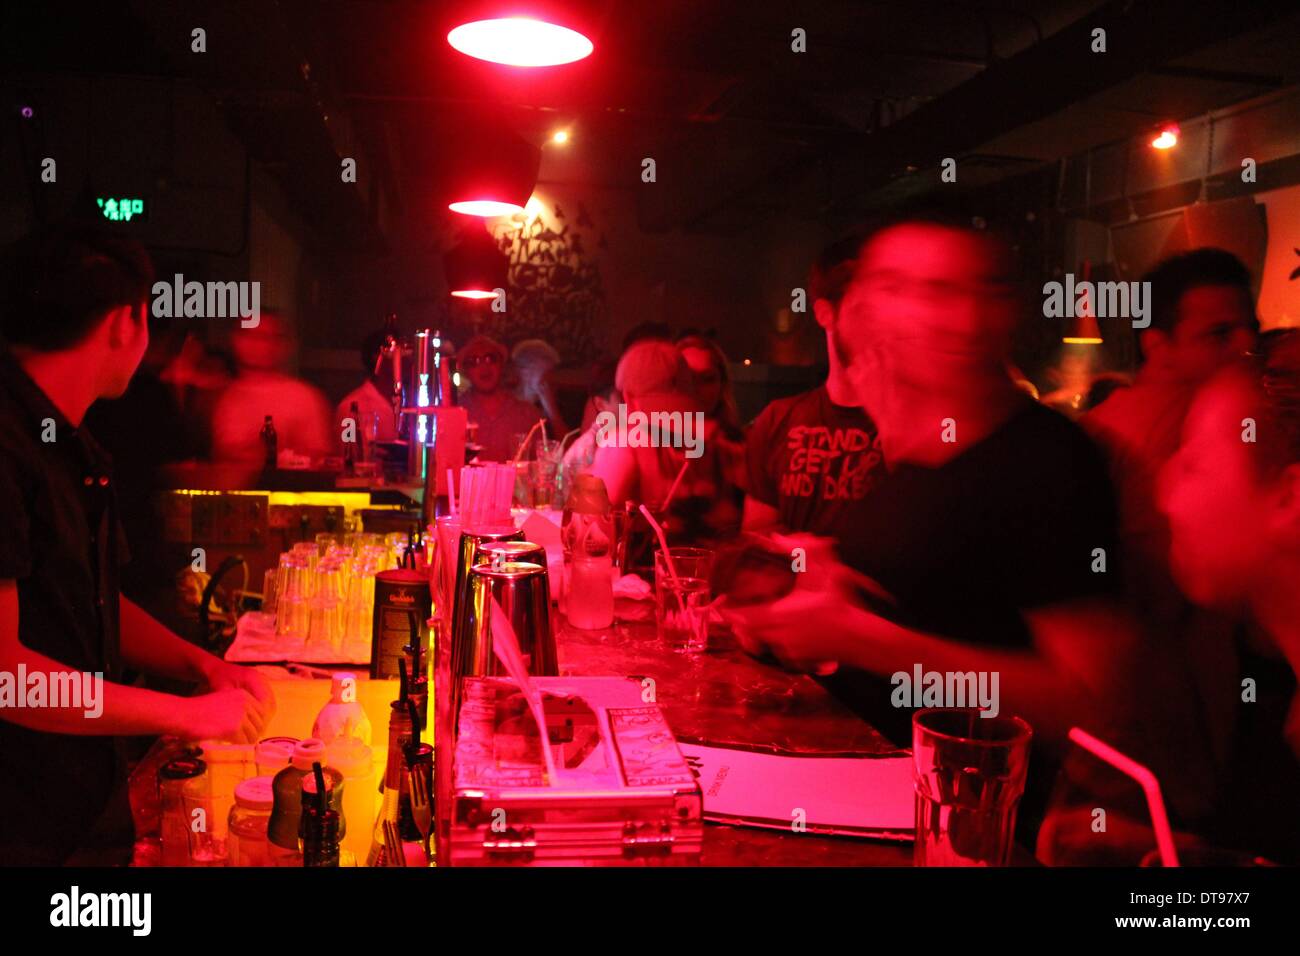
{"x": 616, "y": 466}
{"x": 150, "y": 647}
{"x": 118, "y": 710}
{"x": 759, "y": 516}
{"x": 1073, "y": 667}
{"x": 1062, "y": 681}
{"x": 319, "y": 434}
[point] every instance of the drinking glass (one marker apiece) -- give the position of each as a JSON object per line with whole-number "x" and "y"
{"x": 269, "y": 580}
{"x": 292, "y": 588}
{"x": 969, "y": 774}
{"x": 682, "y": 602}
{"x": 328, "y": 606}
{"x": 396, "y": 542}
{"x": 446, "y": 556}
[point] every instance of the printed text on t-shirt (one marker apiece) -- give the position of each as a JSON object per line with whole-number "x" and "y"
{"x": 831, "y": 463}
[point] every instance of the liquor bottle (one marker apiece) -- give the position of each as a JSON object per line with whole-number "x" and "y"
{"x": 269, "y": 441}
{"x": 320, "y": 822}
{"x": 395, "y": 829}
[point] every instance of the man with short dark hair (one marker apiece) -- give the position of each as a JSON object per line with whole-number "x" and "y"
{"x": 811, "y": 454}
{"x": 1202, "y": 318}
{"x": 73, "y": 310}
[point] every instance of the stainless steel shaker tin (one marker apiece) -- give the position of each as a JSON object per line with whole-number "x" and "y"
{"x": 521, "y": 590}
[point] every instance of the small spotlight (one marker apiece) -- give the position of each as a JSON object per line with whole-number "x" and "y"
{"x": 1167, "y": 139}
{"x": 560, "y": 137}
{"x": 27, "y": 112}
{"x": 748, "y": 362}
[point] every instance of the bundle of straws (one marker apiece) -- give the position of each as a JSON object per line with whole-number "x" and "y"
{"x": 486, "y": 491}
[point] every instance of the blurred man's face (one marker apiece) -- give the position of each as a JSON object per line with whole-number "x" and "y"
{"x": 1215, "y": 326}
{"x": 930, "y": 306}
{"x": 266, "y": 347}
{"x": 706, "y": 374}
{"x": 484, "y": 371}
{"x": 1215, "y": 503}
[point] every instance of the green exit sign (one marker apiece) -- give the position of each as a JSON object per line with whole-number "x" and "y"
{"x": 122, "y": 208}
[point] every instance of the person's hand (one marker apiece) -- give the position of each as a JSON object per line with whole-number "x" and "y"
{"x": 806, "y": 629}
{"x": 220, "y": 675}
{"x": 232, "y": 715}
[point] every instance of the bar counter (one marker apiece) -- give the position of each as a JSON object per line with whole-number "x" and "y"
{"x": 722, "y": 697}
{"x": 727, "y": 697}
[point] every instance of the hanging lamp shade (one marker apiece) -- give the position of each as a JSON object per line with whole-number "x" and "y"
{"x": 520, "y": 41}
{"x": 537, "y": 34}
{"x": 475, "y": 267}
{"x": 1083, "y": 328}
{"x": 491, "y": 170}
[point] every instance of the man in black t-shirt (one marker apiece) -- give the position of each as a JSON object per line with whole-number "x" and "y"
{"x": 73, "y": 310}
{"x": 809, "y": 455}
{"x": 993, "y": 530}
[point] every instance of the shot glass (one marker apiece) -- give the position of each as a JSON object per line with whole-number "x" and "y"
{"x": 969, "y": 774}
{"x": 682, "y": 602}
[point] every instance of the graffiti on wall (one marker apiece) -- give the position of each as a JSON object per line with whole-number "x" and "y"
{"x": 554, "y": 285}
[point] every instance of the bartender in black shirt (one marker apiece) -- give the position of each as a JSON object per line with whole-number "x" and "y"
{"x": 73, "y": 310}
{"x": 993, "y": 531}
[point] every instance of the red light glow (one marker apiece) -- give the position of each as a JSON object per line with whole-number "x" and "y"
{"x": 485, "y": 207}
{"x": 520, "y": 41}
{"x": 473, "y": 294}
{"x": 1167, "y": 139}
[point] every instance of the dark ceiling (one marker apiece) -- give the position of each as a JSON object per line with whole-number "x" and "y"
{"x": 743, "y": 129}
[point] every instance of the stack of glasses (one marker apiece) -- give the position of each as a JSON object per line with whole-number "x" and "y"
{"x": 325, "y": 590}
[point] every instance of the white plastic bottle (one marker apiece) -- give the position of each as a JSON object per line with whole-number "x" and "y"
{"x": 343, "y": 717}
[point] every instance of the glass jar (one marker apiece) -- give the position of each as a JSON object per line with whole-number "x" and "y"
{"x": 182, "y": 789}
{"x": 228, "y": 764}
{"x": 249, "y": 817}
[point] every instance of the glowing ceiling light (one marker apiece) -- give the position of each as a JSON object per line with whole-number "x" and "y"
{"x": 560, "y": 137}
{"x": 485, "y": 207}
{"x": 1167, "y": 139}
{"x": 520, "y": 41}
{"x": 473, "y": 294}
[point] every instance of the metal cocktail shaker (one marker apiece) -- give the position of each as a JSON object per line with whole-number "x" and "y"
{"x": 496, "y": 553}
{"x": 467, "y": 555}
{"x": 521, "y": 590}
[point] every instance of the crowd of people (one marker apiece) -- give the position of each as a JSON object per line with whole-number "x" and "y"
{"x": 1132, "y": 573}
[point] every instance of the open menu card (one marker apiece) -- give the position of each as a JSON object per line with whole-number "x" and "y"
{"x": 851, "y": 796}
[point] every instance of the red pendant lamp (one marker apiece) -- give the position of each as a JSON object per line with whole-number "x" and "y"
{"x": 520, "y": 41}
{"x": 526, "y": 35}
{"x": 491, "y": 171}
{"x": 475, "y": 267}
